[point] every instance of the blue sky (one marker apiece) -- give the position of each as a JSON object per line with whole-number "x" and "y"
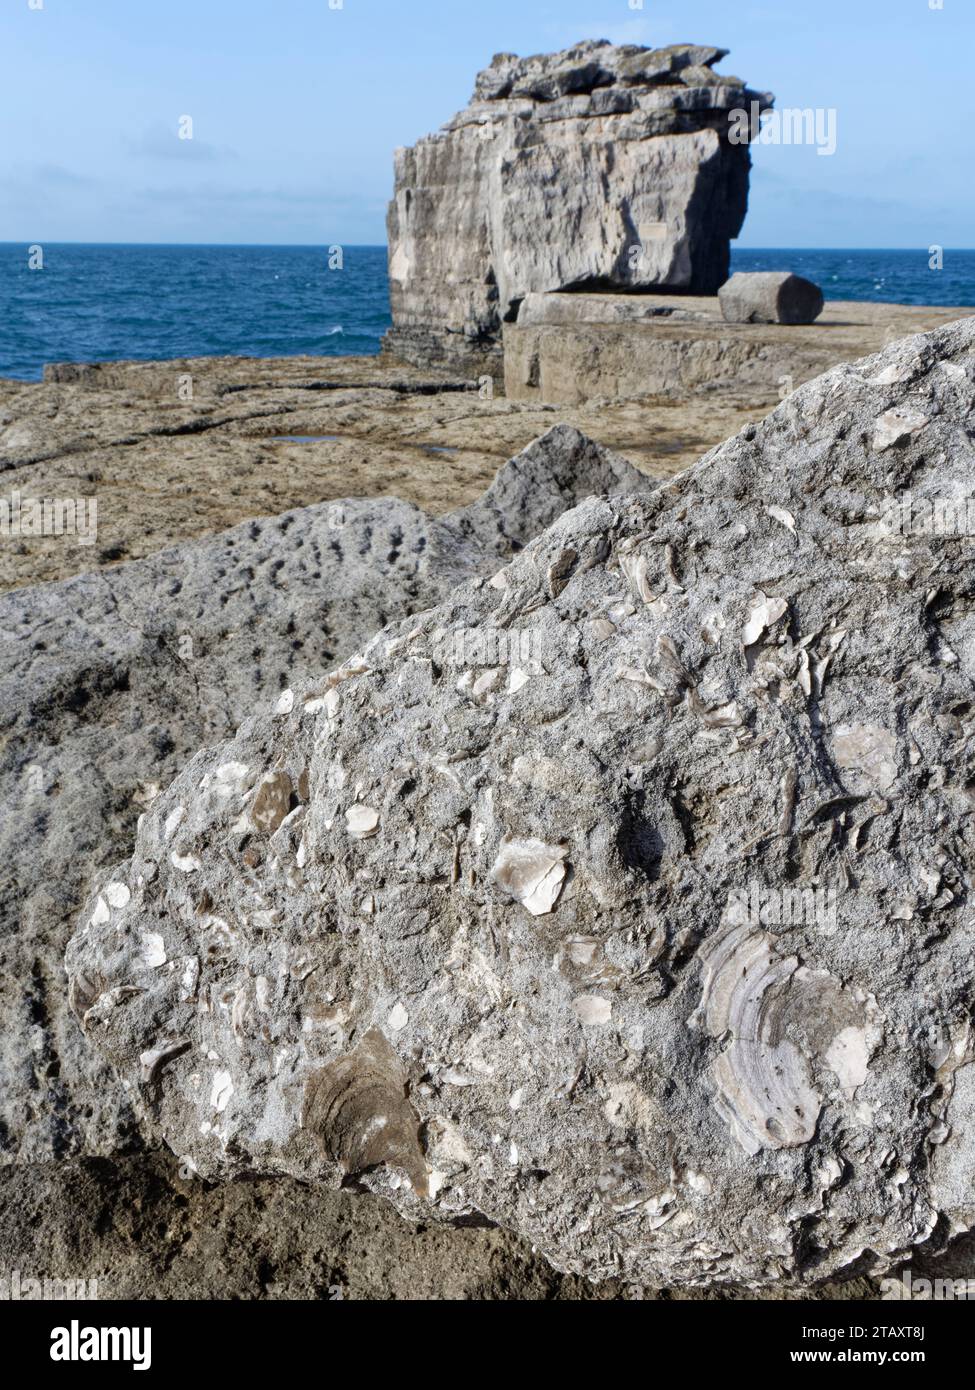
{"x": 297, "y": 106}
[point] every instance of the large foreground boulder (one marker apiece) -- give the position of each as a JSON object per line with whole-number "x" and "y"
{"x": 598, "y": 167}
{"x": 111, "y": 681}
{"x": 624, "y": 898}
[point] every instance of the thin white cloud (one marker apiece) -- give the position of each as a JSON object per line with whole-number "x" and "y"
{"x": 160, "y": 142}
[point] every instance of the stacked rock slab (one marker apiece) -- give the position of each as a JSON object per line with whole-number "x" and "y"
{"x": 624, "y": 898}
{"x": 600, "y": 167}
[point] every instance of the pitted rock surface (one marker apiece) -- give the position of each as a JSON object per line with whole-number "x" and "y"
{"x": 112, "y": 681}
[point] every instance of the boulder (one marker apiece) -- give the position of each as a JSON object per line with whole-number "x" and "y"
{"x": 623, "y": 899}
{"x": 111, "y": 681}
{"x": 599, "y": 167}
{"x": 770, "y": 296}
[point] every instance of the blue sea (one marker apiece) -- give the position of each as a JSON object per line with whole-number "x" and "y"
{"x": 105, "y": 303}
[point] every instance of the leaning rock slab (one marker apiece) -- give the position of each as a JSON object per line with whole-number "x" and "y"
{"x": 770, "y": 296}
{"x": 112, "y": 680}
{"x": 624, "y": 898}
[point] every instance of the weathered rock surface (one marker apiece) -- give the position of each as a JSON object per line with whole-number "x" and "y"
{"x": 562, "y": 309}
{"x": 262, "y": 437}
{"x": 596, "y": 167}
{"x": 491, "y": 918}
{"x": 770, "y": 296}
{"x": 112, "y": 680}
{"x": 565, "y": 355}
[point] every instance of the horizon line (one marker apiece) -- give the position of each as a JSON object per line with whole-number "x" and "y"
{"x": 384, "y": 246}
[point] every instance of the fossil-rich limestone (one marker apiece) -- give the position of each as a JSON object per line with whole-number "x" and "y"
{"x": 623, "y": 898}
{"x": 112, "y": 680}
{"x": 770, "y": 296}
{"x": 598, "y": 167}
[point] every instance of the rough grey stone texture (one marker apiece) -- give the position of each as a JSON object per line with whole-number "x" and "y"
{"x": 111, "y": 681}
{"x": 564, "y": 309}
{"x": 472, "y": 922}
{"x": 770, "y": 296}
{"x": 596, "y": 167}
{"x": 597, "y": 355}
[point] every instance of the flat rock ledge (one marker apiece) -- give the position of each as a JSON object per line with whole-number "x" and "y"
{"x": 623, "y": 898}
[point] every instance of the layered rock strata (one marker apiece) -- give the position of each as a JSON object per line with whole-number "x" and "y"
{"x": 597, "y": 167}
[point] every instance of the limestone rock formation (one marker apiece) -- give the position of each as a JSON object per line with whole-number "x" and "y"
{"x": 770, "y": 296}
{"x": 111, "y": 681}
{"x": 624, "y": 898}
{"x": 598, "y": 167}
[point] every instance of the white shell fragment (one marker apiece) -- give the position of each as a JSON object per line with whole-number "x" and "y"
{"x": 592, "y": 1010}
{"x": 221, "y": 1089}
{"x": 153, "y": 1060}
{"x": 101, "y": 913}
{"x": 763, "y": 614}
{"x": 532, "y": 872}
{"x": 153, "y": 950}
{"x": 398, "y": 1018}
{"x": 783, "y": 517}
{"x": 361, "y": 821}
{"x": 118, "y": 894}
{"x": 867, "y": 752}
{"x": 895, "y": 427}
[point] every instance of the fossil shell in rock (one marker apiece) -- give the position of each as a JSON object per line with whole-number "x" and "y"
{"x": 531, "y": 872}
{"x": 592, "y": 1009}
{"x": 272, "y": 802}
{"x": 118, "y": 894}
{"x": 358, "y": 1108}
{"x": 896, "y": 427}
{"x": 764, "y": 612}
{"x": 362, "y": 821}
{"x": 781, "y": 1021}
{"x": 156, "y": 1058}
{"x": 869, "y": 753}
{"x": 783, "y": 517}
